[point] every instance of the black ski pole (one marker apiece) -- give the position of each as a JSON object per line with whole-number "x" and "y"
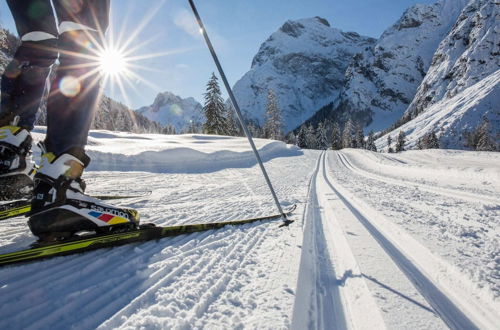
{"x": 238, "y": 112}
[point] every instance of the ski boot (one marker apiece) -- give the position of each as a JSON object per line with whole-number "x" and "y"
{"x": 60, "y": 209}
{"x": 16, "y": 165}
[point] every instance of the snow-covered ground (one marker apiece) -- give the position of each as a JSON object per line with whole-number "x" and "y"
{"x": 435, "y": 215}
{"x": 406, "y": 241}
{"x": 223, "y": 278}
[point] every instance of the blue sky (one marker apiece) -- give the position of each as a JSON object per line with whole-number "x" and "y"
{"x": 237, "y": 29}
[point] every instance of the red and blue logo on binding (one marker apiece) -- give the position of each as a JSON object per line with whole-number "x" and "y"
{"x": 108, "y": 218}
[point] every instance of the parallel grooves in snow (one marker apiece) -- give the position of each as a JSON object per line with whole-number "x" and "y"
{"x": 315, "y": 305}
{"x": 432, "y": 189}
{"x": 456, "y": 305}
{"x": 322, "y": 300}
{"x": 200, "y": 267}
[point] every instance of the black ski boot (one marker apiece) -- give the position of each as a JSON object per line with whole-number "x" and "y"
{"x": 60, "y": 208}
{"x": 16, "y": 165}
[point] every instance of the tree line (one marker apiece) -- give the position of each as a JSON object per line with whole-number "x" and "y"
{"x": 327, "y": 134}
{"x": 220, "y": 117}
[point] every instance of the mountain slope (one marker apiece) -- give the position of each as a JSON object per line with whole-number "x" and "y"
{"x": 382, "y": 81}
{"x": 469, "y": 53}
{"x": 462, "y": 85}
{"x": 450, "y": 118}
{"x": 304, "y": 62}
{"x": 170, "y": 109}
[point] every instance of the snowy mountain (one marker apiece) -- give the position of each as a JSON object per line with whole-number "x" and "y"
{"x": 170, "y": 109}
{"x": 451, "y": 118}
{"x": 115, "y": 116}
{"x": 382, "y": 81}
{"x": 469, "y": 53}
{"x": 304, "y": 62}
{"x": 462, "y": 84}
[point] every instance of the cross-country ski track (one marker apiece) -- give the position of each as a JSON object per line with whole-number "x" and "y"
{"x": 362, "y": 254}
{"x": 374, "y": 245}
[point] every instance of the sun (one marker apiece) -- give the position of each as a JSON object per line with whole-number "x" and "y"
{"x": 112, "y": 62}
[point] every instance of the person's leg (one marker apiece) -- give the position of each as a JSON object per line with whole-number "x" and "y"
{"x": 23, "y": 85}
{"x": 74, "y": 97}
{"x": 24, "y": 79}
{"x": 59, "y": 207}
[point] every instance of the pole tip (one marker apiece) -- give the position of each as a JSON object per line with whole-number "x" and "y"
{"x": 286, "y": 222}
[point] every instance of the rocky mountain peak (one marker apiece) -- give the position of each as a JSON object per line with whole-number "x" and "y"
{"x": 298, "y": 35}
{"x": 304, "y": 62}
{"x": 382, "y": 81}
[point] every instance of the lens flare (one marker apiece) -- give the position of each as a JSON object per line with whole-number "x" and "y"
{"x": 112, "y": 62}
{"x": 69, "y": 86}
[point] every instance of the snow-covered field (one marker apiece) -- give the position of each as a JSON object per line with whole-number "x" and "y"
{"x": 407, "y": 241}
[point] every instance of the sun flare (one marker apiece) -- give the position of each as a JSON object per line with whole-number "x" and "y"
{"x": 112, "y": 62}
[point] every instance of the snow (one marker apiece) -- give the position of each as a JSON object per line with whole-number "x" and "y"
{"x": 401, "y": 241}
{"x": 304, "y": 62}
{"x": 223, "y": 278}
{"x": 449, "y": 118}
{"x": 187, "y": 153}
{"x": 385, "y": 79}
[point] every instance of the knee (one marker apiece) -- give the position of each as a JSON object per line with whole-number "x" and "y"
{"x": 79, "y": 47}
{"x": 31, "y": 63}
{"x": 41, "y": 53}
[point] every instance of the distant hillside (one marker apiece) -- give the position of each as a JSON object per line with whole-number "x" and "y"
{"x": 170, "y": 109}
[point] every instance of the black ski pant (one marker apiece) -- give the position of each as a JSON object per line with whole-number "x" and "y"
{"x": 73, "y": 33}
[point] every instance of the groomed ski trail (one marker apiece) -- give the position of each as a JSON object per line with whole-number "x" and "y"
{"x": 367, "y": 273}
{"x": 454, "y": 193}
{"x": 227, "y": 278}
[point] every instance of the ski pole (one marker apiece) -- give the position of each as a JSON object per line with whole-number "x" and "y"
{"x": 238, "y": 112}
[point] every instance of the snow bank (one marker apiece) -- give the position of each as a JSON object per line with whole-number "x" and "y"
{"x": 190, "y": 153}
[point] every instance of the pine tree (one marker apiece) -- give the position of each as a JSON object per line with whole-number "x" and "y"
{"x": 370, "y": 143}
{"x": 232, "y": 124}
{"x": 193, "y": 127}
{"x": 389, "y": 142}
{"x": 428, "y": 141}
{"x": 214, "y": 110}
{"x": 347, "y": 135}
{"x": 301, "y": 137}
{"x": 311, "y": 137}
{"x": 484, "y": 140}
{"x": 321, "y": 138}
{"x": 168, "y": 129}
{"x": 336, "y": 138}
{"x": 432, "y": 141}
{"x": 254, "y": 128}
{"x": 360, "y": 137}
{"x": 273, "y": 128}
{"x": 400, "y": 144}
{"x": 420, "y": 144}
{"x": 291, "y": 138}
